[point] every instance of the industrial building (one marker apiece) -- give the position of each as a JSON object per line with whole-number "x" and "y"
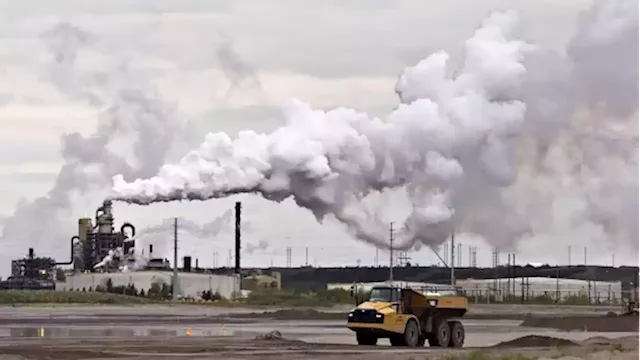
{"x": 366, "y": 287}
{"x": 98, "y": 247}
{"x": 190, "y": 285}
{"x": 259, "y": 280}
{"x": 498, "y": 290}
{"x": 532, "y": 287}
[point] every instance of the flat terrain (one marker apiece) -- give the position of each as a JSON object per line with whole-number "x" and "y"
{"x": 201, "y": 332}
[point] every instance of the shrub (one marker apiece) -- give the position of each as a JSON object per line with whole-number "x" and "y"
{"x": 66, "y": 297}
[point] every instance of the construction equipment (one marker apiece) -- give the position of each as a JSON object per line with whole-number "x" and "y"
{"x": 408, "y": 317}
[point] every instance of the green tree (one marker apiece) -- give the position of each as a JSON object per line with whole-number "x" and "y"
{"x": 109, "y": 285}
{"x": 60, "y": 275}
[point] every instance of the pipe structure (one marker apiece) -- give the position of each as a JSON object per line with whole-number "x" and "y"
{"x": 99, "y": 210}
{"x": 71, "y": 259}
{"x": 130, "y": 226}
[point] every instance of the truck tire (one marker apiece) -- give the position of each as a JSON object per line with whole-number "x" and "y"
{"x": 441, "y": 335}
{"x": 411, "y": 334}
{"x": 457, "y": 334}
{"x": 366, "y": 339}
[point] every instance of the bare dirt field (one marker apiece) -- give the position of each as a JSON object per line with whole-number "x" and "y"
{"x": 204, "y": 332}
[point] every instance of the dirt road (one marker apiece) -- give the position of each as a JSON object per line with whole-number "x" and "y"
{"x": 233, "y": 348}
{"x": 188, "y": 332}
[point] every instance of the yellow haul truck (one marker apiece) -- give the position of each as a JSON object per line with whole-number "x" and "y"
{"x": 408, "y": 318}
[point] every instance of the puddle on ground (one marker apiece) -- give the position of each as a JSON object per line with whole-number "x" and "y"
{"x": 30, "y": 332}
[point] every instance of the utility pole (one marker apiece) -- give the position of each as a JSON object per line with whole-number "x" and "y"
{"x": 391, "y": 251}
{"x": 288, "y": 257}
{"x": 445, "y": 252}
{"x": 513, "y": 272}
{"x": 474, "y": 257}
{"x": 403, "y": 259}
{"x": 306, "y": 256}
{"x": 613, "y": 260}
{"x": 569, "y": 252}
{"x": 453, "y": 250}
{"x": 175, "y": 260}
{"x": 508, "y": 273}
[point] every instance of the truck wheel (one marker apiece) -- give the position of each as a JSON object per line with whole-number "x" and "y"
{"x": 441, "y": 334}
{"x": 457, "y": 334}
{"x": 412, "y": 334}
{"x": 366, "y": 339}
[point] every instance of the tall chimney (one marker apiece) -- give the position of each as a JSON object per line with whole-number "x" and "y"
{"x": 238, "y": 217}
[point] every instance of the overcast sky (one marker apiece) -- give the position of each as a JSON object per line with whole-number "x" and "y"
{"x": 228, "y": 66}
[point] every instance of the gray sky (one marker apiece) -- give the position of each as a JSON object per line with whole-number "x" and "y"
{"x": 327, "y": 53}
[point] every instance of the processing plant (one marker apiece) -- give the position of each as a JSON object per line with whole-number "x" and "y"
{"x": 33, "y": 273}
{"x": 98, "y": 247}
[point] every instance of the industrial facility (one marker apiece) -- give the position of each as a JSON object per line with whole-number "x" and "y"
{"x": 33, "y": 273}
{"x": 99, "y": 247}
{"x": 99, "y": 253}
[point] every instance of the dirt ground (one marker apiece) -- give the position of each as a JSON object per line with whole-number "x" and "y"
{"x": 205, "y": 332}
{"x": 282, "y": 349}
{"x": 585, "y": 323}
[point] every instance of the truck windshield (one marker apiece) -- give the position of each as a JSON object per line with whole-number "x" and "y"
{"x": 381, "y": 294}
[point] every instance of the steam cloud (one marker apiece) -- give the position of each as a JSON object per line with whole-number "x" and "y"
{"x": 519, "y": 144}
{"x": 447, "y": 134}
{"x": 237, "y": 71}
{"x": 262, "y": 245}
{"x": 199, "y": 231}
{"x": 126, "y": 105}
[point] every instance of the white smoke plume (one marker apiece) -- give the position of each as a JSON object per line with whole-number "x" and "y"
{"x": 204, "y": 231}
{"x": 519, "y": 146}
{"x": 126, "y": 104}
{"x": 579, "y": 183}
{"x": 237, "y": 71}
{"x": 261, "y": 245}
{"x": 447, "y": 139}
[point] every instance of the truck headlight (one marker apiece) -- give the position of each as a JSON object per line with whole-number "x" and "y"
{"x": 432, "y": 303}
{"x": 379, "y": 316}
{"x": 350, "y": 314}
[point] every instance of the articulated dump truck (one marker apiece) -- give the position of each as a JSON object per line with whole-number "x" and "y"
{"x": 408, "y": 317}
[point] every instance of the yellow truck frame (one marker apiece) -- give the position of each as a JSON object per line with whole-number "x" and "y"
{"x": 409, "y": 318}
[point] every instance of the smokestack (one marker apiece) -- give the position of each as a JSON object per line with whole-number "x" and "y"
{"x": 238, "y": 214}
{"x": 186, "y": 264}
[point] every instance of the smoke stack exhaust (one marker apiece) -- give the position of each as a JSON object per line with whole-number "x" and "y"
{"x": 238, "y": 217}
